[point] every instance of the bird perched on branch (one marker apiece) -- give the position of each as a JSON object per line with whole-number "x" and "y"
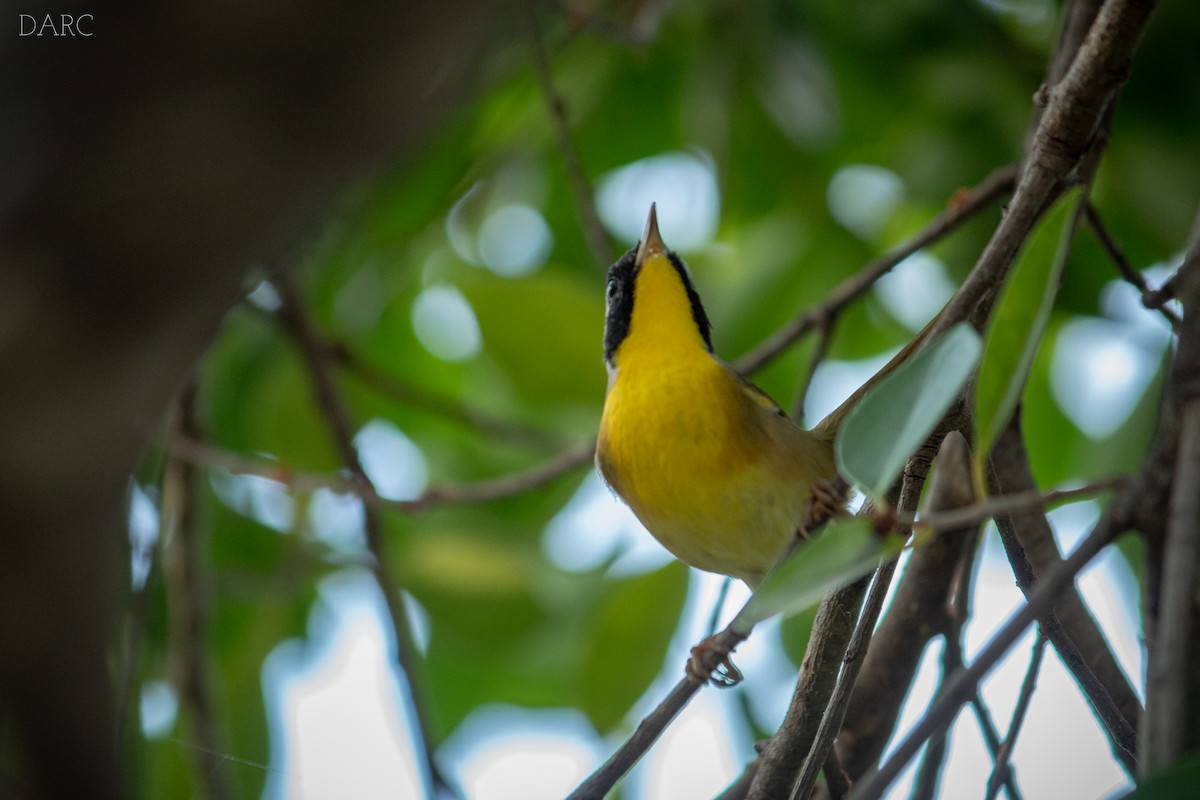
{"x": 709, "y": 463}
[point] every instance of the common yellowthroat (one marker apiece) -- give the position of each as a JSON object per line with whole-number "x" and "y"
{"x": 709, "y": 463}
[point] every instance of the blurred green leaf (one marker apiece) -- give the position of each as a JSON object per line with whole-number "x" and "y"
{"x": 1176, "y": 782}
{"x": 845, "y": 549}
{"x": 1020, "y": 318}
{"x": 896, "y": 416}
{"x": 627, "y": 642}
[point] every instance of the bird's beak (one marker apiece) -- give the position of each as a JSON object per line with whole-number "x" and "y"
{"x": 651, "y": 240}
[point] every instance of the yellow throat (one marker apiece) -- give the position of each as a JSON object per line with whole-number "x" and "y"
{"x": 710, "y": 465}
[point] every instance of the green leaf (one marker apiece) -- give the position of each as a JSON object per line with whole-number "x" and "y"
{"x": 896, "y": 417}
{"x": 1020, "y": 320}
{"x": 845, "y": 549}
{"x": 627, "y": 642}
{"x": 1176, "y": 782}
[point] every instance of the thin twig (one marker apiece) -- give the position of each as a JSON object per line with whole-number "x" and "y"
{"x": 820, "y": 349}
{"x": 952, "y": 663}
{"x": 966, "y": 205}
{"x": 296, "y": 320}
{"x": 1191, "y": 260}
{"x": 1029, "y": 544}
{"x": 963, "y": 684}
{"x": 601, "y": 782}
{"x": 714, "y": 619}
{"x": 919, "y": 611}
{"x": 947, "y": 491}
{"x": 1002, "y": 771}
{"x": 1071, "y": 127}
{"x": 483, "y": 491}
{"x": 593, "y": 228}
{"x": 414, "y": 395}
{"x": 995, "y": 506}
{"x": 835, "y": 710}
{"x": 189, "y": 607}
{"x": 478, "y": 419}
{"x": 1127, "y": 270}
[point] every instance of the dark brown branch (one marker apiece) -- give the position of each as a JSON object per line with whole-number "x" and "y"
{"x": 964, "y": 207}
{"x": 189, "y": 601}
{"x": 952, "y": 663}
{"x": 1066, "y": 132}
{"x": 1070, "y": 626}
{"x": 1002, "y": 772}
{"x": 1006, "y": 503}
{"x": 295, "y": 318}
{"x": 951, "y": 488}
{"x": 784, "y": 754}
{"x": 963, "y": 684}
{"x": 1170, "y": 682}
{"x": 593, "y": 228}
{"x": 835, "y": 710}
{"x": 1127, "y": 270}
{"x": 837, "y": 782}
{"x": 918, "y": 613}
{"x": 601, "y": 782}
{"x": 784, "y": 757}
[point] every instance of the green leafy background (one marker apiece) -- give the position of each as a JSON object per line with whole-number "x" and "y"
{"x": 778, "y": 97}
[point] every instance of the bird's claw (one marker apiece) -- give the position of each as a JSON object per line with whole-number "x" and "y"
{"x": 725, "y": 676}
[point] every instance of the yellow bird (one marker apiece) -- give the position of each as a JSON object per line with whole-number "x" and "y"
{"x": 709, "y": 463}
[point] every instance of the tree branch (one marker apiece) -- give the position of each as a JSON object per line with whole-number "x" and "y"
{"x": 1002, "y": 771}
{"x": 951, "y": 488}
{"x": 1070, "y": 626}
{"x": 824, "y": 335}
{"x": 835, "y": 709}
{"x": 189, "y": 608}
{"x": 1127, "y": 270}
{"x": 483, "y": 491}
{"x": 963, "y": 684}
{"x": 478, "y": 419}
{"x": 964, "y": 206}
{"x": 593, "y": 228}
{"x": 919, "y": 611}
{"x": 1066, "y": 132}
{"x": 1170, "y": 682}
{"x": 337, "y": 415}
{"x": 601, "y": 782}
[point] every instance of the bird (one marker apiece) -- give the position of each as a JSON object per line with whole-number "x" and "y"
{"x": 708, "y": 462}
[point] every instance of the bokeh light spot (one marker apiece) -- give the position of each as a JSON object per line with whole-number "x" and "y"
{"x": 445, "y": 324}
{"x": 915, "y": 290}
{"x": 158, "y": 708}
{"x": 1098, "y": 374}
{"x": 862, "y": 197}
{"x": 393, "y": 462}
{"x": 515, "y": 241}
{"x": 683, "y": 185}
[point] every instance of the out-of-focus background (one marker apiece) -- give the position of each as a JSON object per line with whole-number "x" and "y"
{"x": 461, "y": 310}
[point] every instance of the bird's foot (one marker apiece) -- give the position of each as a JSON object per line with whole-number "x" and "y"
{"x": 726, "y": 674}
{"x": 828, "y": 500}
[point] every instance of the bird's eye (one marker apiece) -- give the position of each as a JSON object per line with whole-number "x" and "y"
{"x": 612, "y": 288}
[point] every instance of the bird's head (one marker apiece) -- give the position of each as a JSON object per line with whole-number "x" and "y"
{"x": 652, "y": 305}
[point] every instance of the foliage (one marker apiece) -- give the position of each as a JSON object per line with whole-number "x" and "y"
{"x": 776, "y": 101}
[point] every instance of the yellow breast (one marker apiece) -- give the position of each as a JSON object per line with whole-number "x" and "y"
{"x": 719, "y": 477}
